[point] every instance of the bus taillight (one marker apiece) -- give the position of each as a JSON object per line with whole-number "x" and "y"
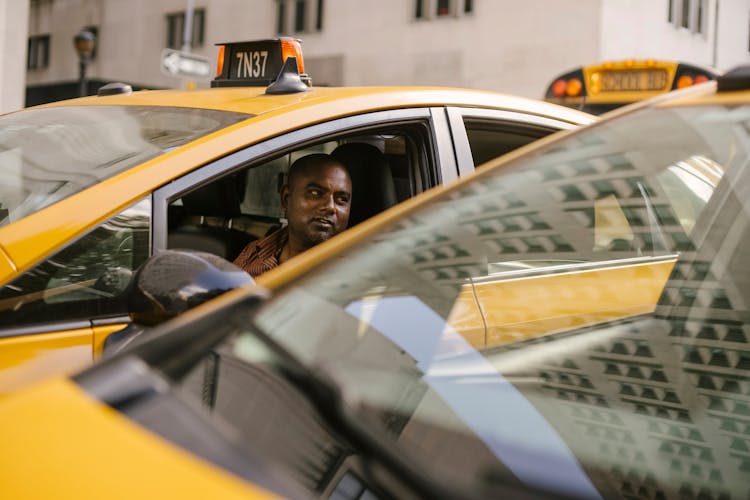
{"x": 559, "y": 88}
{"x": 574, "y": 87}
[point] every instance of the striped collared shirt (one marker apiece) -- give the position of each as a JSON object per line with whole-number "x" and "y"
{"x": 263, "y": 255}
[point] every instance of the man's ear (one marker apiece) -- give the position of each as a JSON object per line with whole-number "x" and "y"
{"x": 284, "y": 194}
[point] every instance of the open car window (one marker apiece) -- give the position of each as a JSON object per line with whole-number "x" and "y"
{"x": 387, "y": 164}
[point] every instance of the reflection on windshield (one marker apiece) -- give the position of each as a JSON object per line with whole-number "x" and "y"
{"x": 615, "y": 364}
{"x": 48, "y": 154}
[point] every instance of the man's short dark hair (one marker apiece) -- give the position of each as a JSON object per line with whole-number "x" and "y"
{"x": 306, "y": 162}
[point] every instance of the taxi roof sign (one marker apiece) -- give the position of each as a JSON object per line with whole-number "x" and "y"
{"x": 257, "y": 63}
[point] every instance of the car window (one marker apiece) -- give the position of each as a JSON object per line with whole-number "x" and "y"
{"x": 48, "y": 154}
{"x": 587, "y": 394}
{"x": 224, "y": 215}
{"x": 489, "y": 139}
{"x": 87, "y": 279}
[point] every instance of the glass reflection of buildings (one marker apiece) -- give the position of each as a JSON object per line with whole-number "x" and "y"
{"x": 662, "y": 397}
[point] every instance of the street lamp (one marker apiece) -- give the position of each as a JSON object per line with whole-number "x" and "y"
{"x": 84, "y": 42}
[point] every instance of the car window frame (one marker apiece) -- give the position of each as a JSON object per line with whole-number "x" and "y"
{"x": 512, "y": 119}
{"x": 439, "y": 135}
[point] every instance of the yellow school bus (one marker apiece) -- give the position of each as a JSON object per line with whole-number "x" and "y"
{"x": 597, "y": 88}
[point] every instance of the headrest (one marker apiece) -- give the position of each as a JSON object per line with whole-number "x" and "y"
{"x": 221, "y": 198}
{"x": 373, "y": 189}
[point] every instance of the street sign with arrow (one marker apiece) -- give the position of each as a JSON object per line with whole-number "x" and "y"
{"x": 182, "y": 64}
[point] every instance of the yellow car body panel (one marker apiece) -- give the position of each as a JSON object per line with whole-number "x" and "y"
{"x": 85, "y": 448}
{"x": 7, "y": 267}
{"x": 100, "y": 333}
{"x": 28, "y": 358}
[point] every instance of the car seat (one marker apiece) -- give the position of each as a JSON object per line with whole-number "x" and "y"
{"x": 208, "y": 220}
{"x": 373, "y": 189}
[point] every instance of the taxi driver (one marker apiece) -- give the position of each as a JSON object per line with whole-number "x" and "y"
{"x": 317, "y": 200}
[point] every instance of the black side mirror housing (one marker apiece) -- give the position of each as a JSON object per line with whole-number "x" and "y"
{"x": 169, "y": 283}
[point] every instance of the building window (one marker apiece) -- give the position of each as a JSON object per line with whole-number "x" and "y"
{"x": 38, "y": 55}
{"x": 319, "y": 18}
{"x": 699, "y": 16}
{"x": 176, "y": 29}
{"x": 443, "y": 8}
{"x": 432, "y": 9}
{"x": 300, "y": 14}
{"x": 689, "y": 14}
{"x": 280, "y": 16}
{"x": 300, "y": 7}
{"x": 685, "y": 14}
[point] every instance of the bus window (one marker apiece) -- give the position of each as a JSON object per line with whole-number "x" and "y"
{"x": 598, "y": 88}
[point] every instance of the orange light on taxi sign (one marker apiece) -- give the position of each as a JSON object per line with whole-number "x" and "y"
{"x": 291, "y": 47}
{"x": 220, "y": 61}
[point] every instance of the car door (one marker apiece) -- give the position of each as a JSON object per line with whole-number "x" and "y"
{"x": 59, "y": 312}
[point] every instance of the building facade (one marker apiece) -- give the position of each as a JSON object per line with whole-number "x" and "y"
{"x": 490, "y": 44}
{"x": 13, "y": 22}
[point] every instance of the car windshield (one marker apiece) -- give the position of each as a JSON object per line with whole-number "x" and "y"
{"x": 575, "y": 322}
{"x": 47, "y": 154}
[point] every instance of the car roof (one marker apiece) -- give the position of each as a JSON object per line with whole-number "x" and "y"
{"x": 254, "y": 100}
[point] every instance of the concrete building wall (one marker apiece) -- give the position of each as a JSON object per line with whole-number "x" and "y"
{"x": 503, "y": 46}
{"x": 641, "y": 29}
{"x": 733, "y": 43}
{"x": 13, "y": 38}
{"x": 498, "y": 46}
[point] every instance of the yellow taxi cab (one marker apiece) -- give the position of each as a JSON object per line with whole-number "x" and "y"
{"x": 571, "y": 321}
{"x": 91, "y": 187}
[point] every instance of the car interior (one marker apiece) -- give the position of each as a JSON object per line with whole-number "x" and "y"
{"x": 225, "y": 214}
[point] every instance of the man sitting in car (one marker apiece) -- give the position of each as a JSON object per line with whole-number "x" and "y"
{"x": 316, "y": 200}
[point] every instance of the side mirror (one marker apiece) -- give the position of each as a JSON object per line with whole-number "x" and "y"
{"x": 169, "y": 283}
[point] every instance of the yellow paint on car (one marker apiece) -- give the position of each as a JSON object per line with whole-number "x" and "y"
{"x": 25, "y": 359}
{"x": 100, "y": 335}
{"x": 84, "y": 448}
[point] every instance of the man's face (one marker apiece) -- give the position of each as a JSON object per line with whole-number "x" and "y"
{"x": 317, "y": 203}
